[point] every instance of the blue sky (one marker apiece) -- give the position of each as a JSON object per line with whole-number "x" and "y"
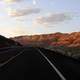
{"x": 29, "y": 17}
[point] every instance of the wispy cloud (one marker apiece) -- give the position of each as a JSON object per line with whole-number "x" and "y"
{"x": 52, "y": 19}
{"x": 23, "y": 12}
{"x": 11, "y": 1}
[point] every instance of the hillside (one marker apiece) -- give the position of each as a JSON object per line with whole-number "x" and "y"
{"x": 5, "y": 42}
{"x": 66, "y": 43}
{"x": 55, "y": 39}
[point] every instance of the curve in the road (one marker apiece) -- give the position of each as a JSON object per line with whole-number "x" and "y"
{"x": 30, "y": 64}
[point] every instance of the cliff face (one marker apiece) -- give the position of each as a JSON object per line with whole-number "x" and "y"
{"x": 55, "y": 39}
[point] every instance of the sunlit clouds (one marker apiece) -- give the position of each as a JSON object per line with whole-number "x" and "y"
{"x": 11, "y": 1}
{"x": 14, "y": 12}
{"x": 22, "y": 17}
{"x": 53, "y": 18}
{"x": 23, "y": 12}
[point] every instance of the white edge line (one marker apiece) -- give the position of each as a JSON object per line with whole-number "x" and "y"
{"x": 11, "y": 58}
{"x": 53, "y": 66}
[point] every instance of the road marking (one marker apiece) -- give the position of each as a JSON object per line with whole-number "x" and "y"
{"x": 11, "y": 58}
{"x": 53, "y": 66}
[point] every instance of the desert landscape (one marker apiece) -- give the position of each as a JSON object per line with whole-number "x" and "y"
{"x": 66, "y": 43}
{"x": 40, "y": 39}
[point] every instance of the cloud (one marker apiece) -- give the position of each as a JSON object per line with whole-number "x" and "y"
{"x": 52, "y": 19}
{"x": 23, "y": 12}
{"x": 11, "y": 1}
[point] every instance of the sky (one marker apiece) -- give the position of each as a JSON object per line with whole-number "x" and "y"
{"x": 30, "y": 17}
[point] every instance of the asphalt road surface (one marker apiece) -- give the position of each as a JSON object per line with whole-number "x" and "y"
{"x": 27, "y": 63}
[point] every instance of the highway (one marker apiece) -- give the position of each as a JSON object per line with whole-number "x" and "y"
{"x": 27, "y": 63}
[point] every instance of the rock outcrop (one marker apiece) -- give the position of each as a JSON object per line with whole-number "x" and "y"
{"x": 55, "y": 39}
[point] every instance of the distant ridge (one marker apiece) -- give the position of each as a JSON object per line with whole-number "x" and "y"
{"x": 54, "y": 39}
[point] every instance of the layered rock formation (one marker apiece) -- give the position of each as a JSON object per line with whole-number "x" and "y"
{"x": 55, "y": 39}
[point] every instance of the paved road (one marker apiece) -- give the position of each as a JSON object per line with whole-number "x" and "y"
{"x": 26, "y": 63}
{"x": 69, "y": 67}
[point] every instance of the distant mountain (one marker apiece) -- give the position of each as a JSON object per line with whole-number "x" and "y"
{"x": 55, "y": 39}
{"x": 66, "y": 43}
{"x": 5, "y": 42}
